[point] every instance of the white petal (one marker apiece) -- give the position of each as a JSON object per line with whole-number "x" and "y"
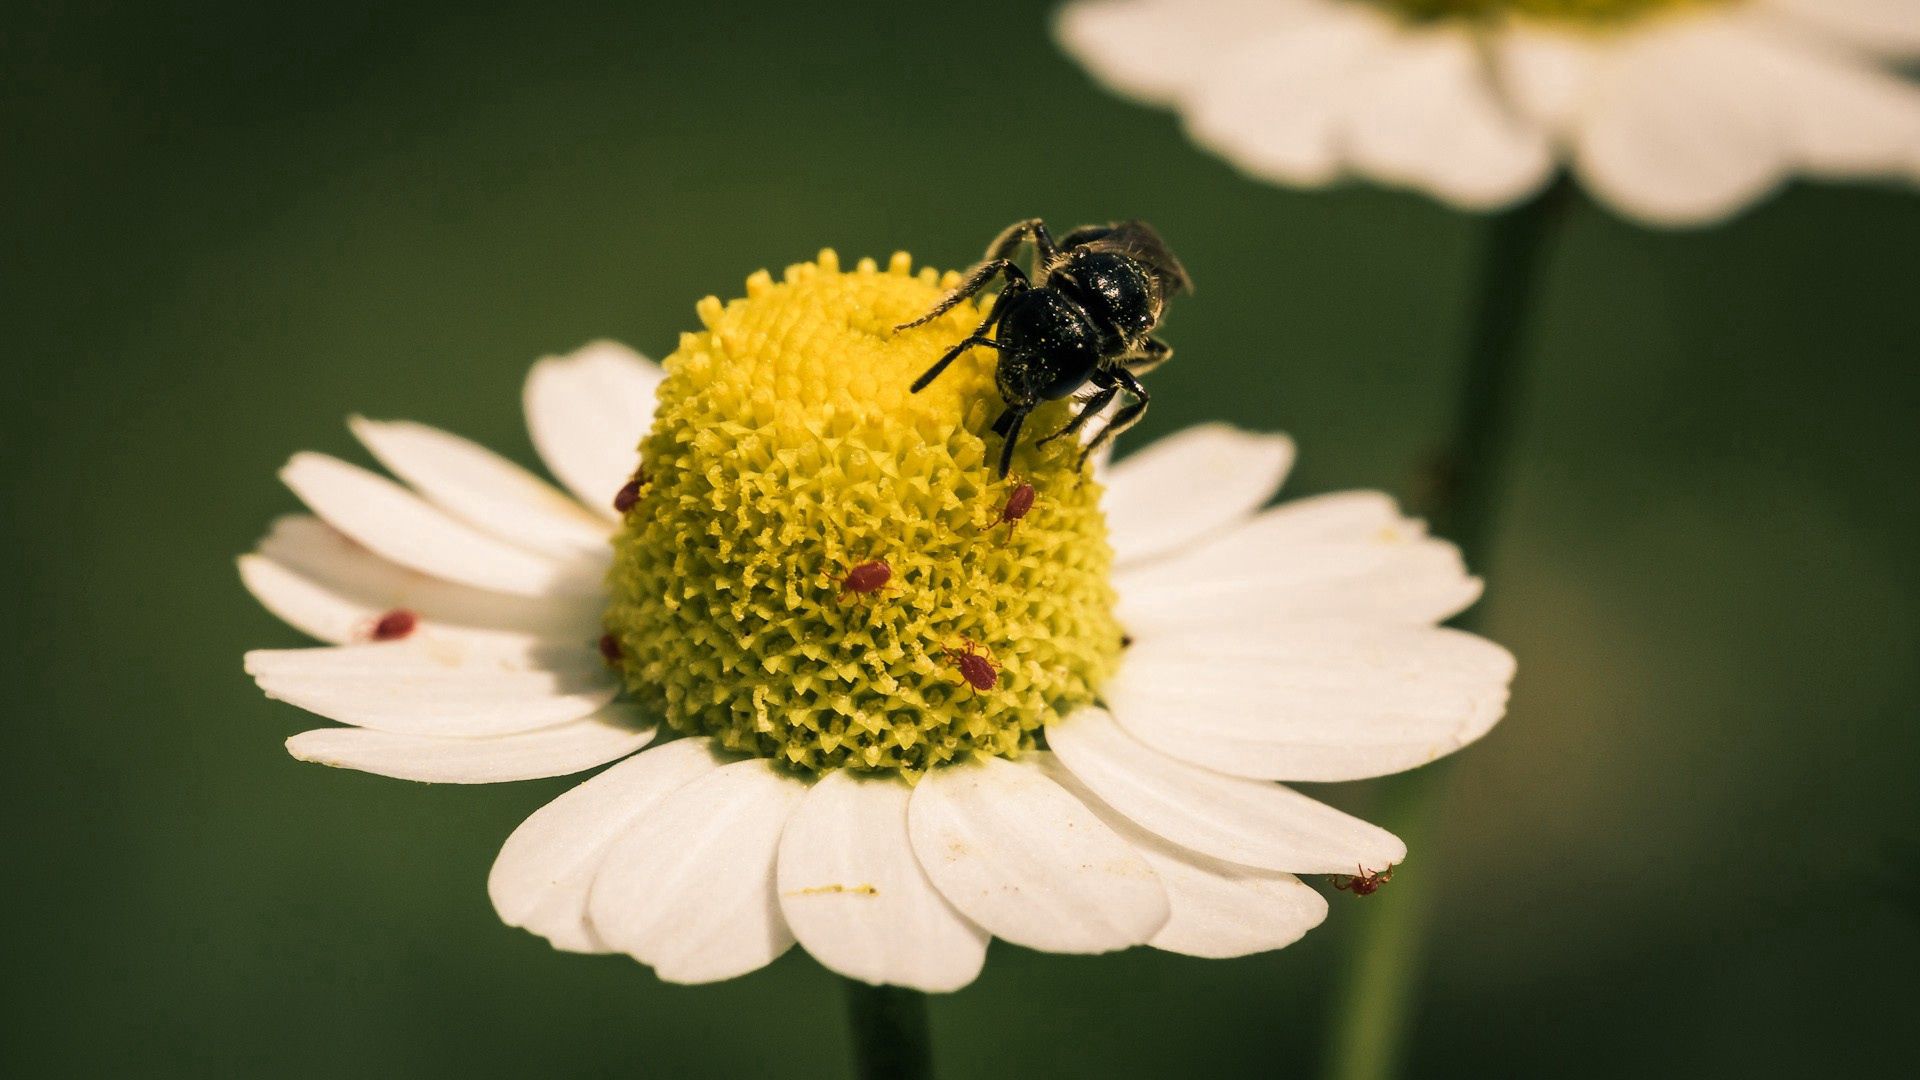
{"x": 1888, "y": 27}
{"x": 1187, "y": 486}
{"x": 1840, "y": 114}
{"x": 1314, "y": 701}
{"x": 399, "y": 525}
{"x": 855, "y": 896}
{"x": 1680, "y": 129}
{"x": 1155, "y": 50}
{"x": 612, "y": 733}
{"x": 325, "y": 585}
{"x": 1274, "y": 103}
{"x": 485, "y": 489}
{"x": 1544, "y": 71}
{"x": 1249, "y": 822}
{"x": 545, "y": 870}
{"x": 1346, "y": 556}
{"x": 436, "y": 687}
{"x": 1028, "y": 862}
{"x": 587, "y": 412}
{"x": 1432, "y": 120}
{"x": 689, "y": 890}
{"x": 1219, "y": 910}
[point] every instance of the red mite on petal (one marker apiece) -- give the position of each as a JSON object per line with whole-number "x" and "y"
{"x": 868, "y": 577}
{"x": 975, "y": 666}
{"x": 1366, "y": 882}
{"x": 624, "y": 499}
{"x": 395, "y": 624}
{"x": 610, "y": 648}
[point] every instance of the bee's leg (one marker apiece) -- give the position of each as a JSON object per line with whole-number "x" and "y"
{"x": 1009, "y": 428}
{"x": 1089, "y": 408}
{"x": 1125, "y": 418}
{"x": 975, "y": 281}
{"x": 978, "y": 337}
{"x": 1151, "y": 354}
{"x": 1004, "y": 421}
{"x": 952, "y": 354}
{"x": 1010, "y": 239}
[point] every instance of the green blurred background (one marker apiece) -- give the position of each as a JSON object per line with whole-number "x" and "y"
{"x": 1689, "y": 851}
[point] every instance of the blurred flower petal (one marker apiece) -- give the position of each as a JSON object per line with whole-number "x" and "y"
{"x": 1276, "y": 105}
{"x": 1676, "y": 119}
{"x": 1888, "y": 27}
{"x": 1430, "y": 119}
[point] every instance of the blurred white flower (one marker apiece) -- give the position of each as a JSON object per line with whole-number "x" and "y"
{"x": 1674, "y": 112}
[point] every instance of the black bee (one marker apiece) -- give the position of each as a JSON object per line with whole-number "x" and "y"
{"x": 1085, "y": 316}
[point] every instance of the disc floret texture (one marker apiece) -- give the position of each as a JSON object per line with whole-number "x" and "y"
{"x": 786, "y": 450}
{"x": 1575, "y": 11}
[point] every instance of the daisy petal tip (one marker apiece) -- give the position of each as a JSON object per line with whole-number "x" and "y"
{"x": 530, "y": 755}
{"x": 1230, "y": 916}
{"x": 689, "y": 889}
{"x": 586, "y": 410}
{"x": 310, "y": 747}
{"x": 854, "y": 894}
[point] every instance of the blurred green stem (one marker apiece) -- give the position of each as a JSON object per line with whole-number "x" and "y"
{"x": 890, "y": 1034}
{"x": 1465, "y": 491}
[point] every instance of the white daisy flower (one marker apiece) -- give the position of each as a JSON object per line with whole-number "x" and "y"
{"x": 1101, "y": 773}
{"x": 1674, "y": 112}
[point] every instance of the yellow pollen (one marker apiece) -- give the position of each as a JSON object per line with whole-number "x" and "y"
{"x": 787, "y": 450}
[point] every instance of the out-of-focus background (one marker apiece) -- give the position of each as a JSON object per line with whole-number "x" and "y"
{"x": 1689, "y": 851}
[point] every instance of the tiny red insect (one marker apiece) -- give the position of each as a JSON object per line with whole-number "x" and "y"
{"x": 610, "y": 648}
{"x": 869, "y": 577}
{"x": 975, "y": 665}
{"x": 624, "y": 499}
{"x": 395, "y": 625}
{"x": 1017, "y": 506}
{"x": 1366, "y": 882}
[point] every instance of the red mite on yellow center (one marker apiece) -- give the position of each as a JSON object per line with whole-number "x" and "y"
{"x": 1017, "y": 506}
{"x": 628, "y": 495}
{"x": 868, "y": 577}
{"x": 975, "y": 666}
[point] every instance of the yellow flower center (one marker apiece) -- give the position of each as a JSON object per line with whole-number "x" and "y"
{"x": 1591, "y": 12}
{"x": 787, "y": 459}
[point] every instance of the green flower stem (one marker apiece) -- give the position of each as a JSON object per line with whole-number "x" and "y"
{"x": 890, "y": 1035}
{"x": 1372, "y": 1020}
